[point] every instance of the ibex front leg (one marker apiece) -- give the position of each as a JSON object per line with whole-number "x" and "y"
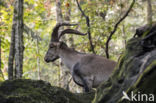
{"x": 80, "y": 79}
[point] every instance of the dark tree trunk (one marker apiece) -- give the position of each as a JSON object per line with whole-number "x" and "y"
{"x": 19, "y": 39}
{"x": 12, "y": 49}
{"x": 16, "y": 47}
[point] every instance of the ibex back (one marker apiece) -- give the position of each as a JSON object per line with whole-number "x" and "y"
{"x": 87, "y": 70}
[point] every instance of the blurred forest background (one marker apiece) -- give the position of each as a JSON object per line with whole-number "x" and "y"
{"x": 40, "y": 16}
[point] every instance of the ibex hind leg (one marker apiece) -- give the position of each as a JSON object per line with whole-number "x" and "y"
{"x": 85, "y": 86}
{"x": 76, "y": 71}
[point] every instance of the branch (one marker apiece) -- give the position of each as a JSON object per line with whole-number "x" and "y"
{"x": 88, "y": 24}
{"x": 115, "y": 28}
{"x": 29, "y": 31}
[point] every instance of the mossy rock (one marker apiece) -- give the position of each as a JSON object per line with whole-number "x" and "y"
{"x": 38, "y": 91}
{"x": 135, "y": 71}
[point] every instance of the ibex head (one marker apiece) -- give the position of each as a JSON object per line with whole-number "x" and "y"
{"x": 55, "y": 45}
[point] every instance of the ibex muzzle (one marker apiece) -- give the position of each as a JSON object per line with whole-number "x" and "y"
{"x": 87, "y": 70}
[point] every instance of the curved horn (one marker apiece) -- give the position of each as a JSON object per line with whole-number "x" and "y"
{"x": 71, "y": 31}
{"x": 54, "y": 35}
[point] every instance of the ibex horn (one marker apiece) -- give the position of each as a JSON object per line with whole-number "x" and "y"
{"x": 54, "y": 35}
{"x": 71, "y": 31}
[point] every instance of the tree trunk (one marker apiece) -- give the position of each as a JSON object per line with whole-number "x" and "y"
{"x": 38, "y": 59}
{"x": 19, "y": 39}
{"x": 124, "y": 35}
{"x": 12, "y": 49}
{"x": 70, "y": 40}
{"x": 149, "y": 12}
{"x": 59, "y": 16}
{"x": 59, "y": 19}
{"x": 0, "y": 61}
{"x": 67, "y": 79}
{"x": 67, "y": 19}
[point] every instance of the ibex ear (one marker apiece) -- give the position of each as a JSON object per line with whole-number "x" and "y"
{"x": 60, "y": 44}
{"x": 57, "y": 44}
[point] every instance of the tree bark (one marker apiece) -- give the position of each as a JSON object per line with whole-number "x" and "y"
{"x": 12, "y": 49}
{"x": 59, "y": 15}
{"x": 67, "y": 19}
{"x": 59, "y": 19}
{"x": 124, "y": 35}
{"x": 70, "y": 40}
{"x": 19, "y": 39}
{"x": 1, "y": 61}
{"x": 149, "y": 12}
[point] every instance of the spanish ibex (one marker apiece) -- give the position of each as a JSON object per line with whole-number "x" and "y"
{"x": 88, "y": 70}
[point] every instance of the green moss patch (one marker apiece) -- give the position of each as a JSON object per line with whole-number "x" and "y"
{"x": 38, "y": 91}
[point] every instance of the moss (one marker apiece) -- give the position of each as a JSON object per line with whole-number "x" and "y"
{"x": 33, "y": 91}
{"x": 142, "y": 83}
{"x": 145, "y": 83}
{"x": 145, "y": 73}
